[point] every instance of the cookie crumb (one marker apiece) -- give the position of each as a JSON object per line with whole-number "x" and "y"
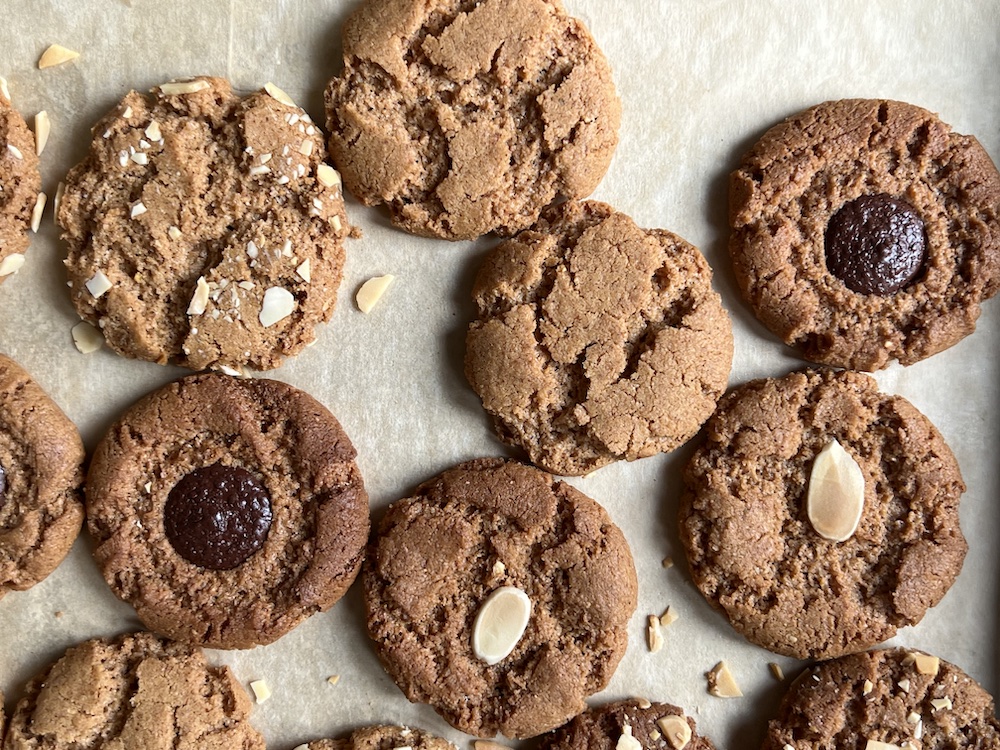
{"x": 42, "y": 128}
{"x": 86, "y": 338}
{"x": 654, "y": 637}
{"x": 56, "y": 54}
{"x": 371, "y": 292}
{"x": 668, "y": 562}
{"x": 261, "y": 690}
{"x": 776, "y": 670}
{"x": 58, "y": 614}
{"x": 721, "y": 682}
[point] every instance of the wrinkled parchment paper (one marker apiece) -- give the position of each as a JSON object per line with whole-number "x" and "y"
{"x": 699, "y": 82}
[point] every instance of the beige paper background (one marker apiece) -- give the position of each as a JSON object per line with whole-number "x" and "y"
{"x": 699, "y": 81}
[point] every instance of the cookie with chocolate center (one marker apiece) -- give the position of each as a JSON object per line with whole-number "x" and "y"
{"x": 227, "y": 510}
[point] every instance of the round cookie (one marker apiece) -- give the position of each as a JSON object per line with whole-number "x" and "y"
{"x": 442, "y": 554}
{"x": 865, "y": 231}
{"x": 904, "y": 699}
{"x": 20, "y": 183}
{"x": 597, "y": 340}
{"x": 133, "y": 691}
{"x": 470, "y": 117}
{"x": 382, "y": 738}
{"x": 655, "y": 726}
{"x": 752, "y": 537}
{"x": 227, "y": 510}
{"x": 41, "y": 474}
{"x": 205, "y": 229}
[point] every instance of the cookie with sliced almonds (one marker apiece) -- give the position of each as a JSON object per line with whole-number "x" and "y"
{"x": 205, "y": 228}
{"x": 628, "y": 725}
{"x": 894, "y": 699}
{"x": 20, "y": 183}
{"x": 499, "y": 596}
{"x": 820, "y": 515}
{"x": 381, "y": 736}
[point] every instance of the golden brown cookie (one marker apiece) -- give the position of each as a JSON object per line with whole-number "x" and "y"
{"x": 866, "y": 230}
{"x": 227, "y": 510}
{"x": 782, "y": 538}
{"x": 204, "y": 228}
{"x": 133, "y": 691}
{"x": 382, "y": 737}
{"x": 882, "y": 700}
{"x": 597, "y": 340}
{"x": 654, "y": 726}
{"x": 499, "y": 596}
{"x": 20, "y": 183}
{"x": 41, "y": 473}
{"x": 470, "y": 116}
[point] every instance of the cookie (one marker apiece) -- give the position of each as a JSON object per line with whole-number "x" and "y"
{"x": 382, "y": 738}
{"x": 20, "y": 183}
{"x": 470, "y": 116}
{"x": 865, "y": 231}
{"x": 41, "y": 475}
{"x": 204, "y": 228}
{"x": 133, "y": 691}
{"x": 820, "y": 515}
{"x": 227, "y": 510}
{"x": 596, "y": 340}
{"x": 500, "y": 597}
{"x": 888, "y": 699}
{"x": 654, "y": 726}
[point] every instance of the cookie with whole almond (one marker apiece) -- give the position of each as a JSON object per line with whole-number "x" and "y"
{"x": 204, "y": 228}
{"x": 20, "y": 183}
{"x": 382, "y": 736}
{"x": 865, "y": 230}
{"x": 820, "y": 514}
{"x": 227, "y": 510}
{"x": 597, "y": 341}
{"x": 885, "y": 700}
{"x": 136, "y": 691}
{"x": 41, "y": 477}
{"x": 470, "y": 117}
{"x": 625, "y": 725}
{"x": 499, "y": 596}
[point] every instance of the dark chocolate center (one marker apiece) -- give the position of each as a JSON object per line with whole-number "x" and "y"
{"x": 875, "y": 244}
{"x": 217, "y": 516}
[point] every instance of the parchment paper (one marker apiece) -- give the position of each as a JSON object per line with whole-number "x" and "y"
{"x": 699, "y": 82}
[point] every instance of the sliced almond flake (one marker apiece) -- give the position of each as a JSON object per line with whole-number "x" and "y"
{"x": 371, "y": 292}
{"x": 788, "y": 747}
{"x": 306, "y": 148}
{"x": 127, "y": 113}
{"x": 333, "y": 679}
{"x": 304, "y": 271}
{"x": 251, "y": 249}
{"x": 867, "y": 687}
{"x": 138, "y": 209}
{"x": 11, "y": 264}
{"x": 87, "y": 338}
{"x": 36, "y": 212}
{"x": 335, "y": 223}
{"x": 913, "y": 717}
{"x": 286, "y": 249}
{"x": 261, "y": 690}
{"x": 776, "y": 670}
{"x": 328, "y": 176}
{"x": 148, "y": 486}
{"x": 904, "y": 685}
{"x": 42, "y": 128}
{"x": 153, "y": 132}
{"x": 174, "y": 88}
{"x": 654, "y": 636}
{"x": 876, "y": 745}
{"x": 56, "y": 54}
{"x": 143, "y": 143}
{"x": 259, "y": 169}
{"x": 668, "y": 617}
{"x": 60, "y": 191}
{"x": 4, "y": 89}
{"x": 941, "y": 704}
{"x": 264, "y": 158}
{"x": 925, "y": 663}
{"x": 721, "y": 682}
{"x": 15, "y": 151}
{"x": 627, "y": 741}
{"x": 278, "y": 94}
{"x": 248, "y": 285}
{"x": 140, "y": 158}
{"x": 199, "y": 300}
{"x": 98, "y": 284}
{"x": 123, "y": 158}
{"x": 283, "y": 180}
{"x": 277, "y": 305}
{"x": 676, "y": 729}
{"x": 173, "y": 232}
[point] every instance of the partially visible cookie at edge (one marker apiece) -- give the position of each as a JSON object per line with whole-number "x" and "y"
{"x": 596, "y": 340}
{"x": 654, "y": 726}
{"x": 866, "y": 230}
{"x": 134, "y": 690}
{"x": 898, "y": 698}
{"x": 227, "y": 510}
{"x": 789, "y": 576}
{"x": 505, "y": 542}
{"x": 205, "y": 229}
{"x": 379, "y": 737}
{"x": 20, "y": 183}
{"x": 467, "y": 117}
{"x": 41, "y": 478}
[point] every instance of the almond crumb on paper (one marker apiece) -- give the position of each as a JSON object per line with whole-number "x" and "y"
{"x": 721, "y": 682}
{"x": 333, "y": 679}
{"x": 261, "y": 690}
{"x": 776, "y": 670}
{"x": 87, "y": 338}
{"x": 654, "y": 636}
{"x": 668, "y": 562}
{"x": 371, "y": 292}
{"x": 56, "y": 54}
{"x": 668, "y": 617}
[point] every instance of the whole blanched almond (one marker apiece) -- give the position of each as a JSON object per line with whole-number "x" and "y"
{"x": 836, "y": 495}
{"x": 500, "y": 623}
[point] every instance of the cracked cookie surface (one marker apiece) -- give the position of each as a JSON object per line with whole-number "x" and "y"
{"x": 201, "y": 230}
{"x": 596, "y": 340}
{"x": 41, "y": 475}
{"x": 470, "y": 116}
{"x": 238, "y": 441}
{"x": 20, "y": 183}
{"x": 805, "y": 170}
{"x": 751, "y": 547}
{"x": 602, "y": 728}
{"x": 133, "y": 691}
{"x": 885, "y": 697}
{"x": 480, "y": 526}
